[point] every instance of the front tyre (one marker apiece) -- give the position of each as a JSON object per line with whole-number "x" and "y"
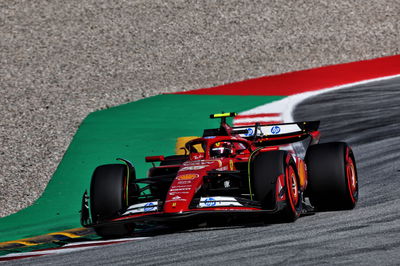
{"x": 107, "y": 198}
{"x": 276, "y": 185}
{"x": 333, "y": 180}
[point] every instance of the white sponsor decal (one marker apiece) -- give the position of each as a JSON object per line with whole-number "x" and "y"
{"x": 200, "y": 162}
{"x": 182, "y": 186}
{"x": 184, "y": 182}
{"x": 142, "y": 207}
{"x": 275, "y": 130}
{"x": 280, "y": 130}
{"x": 176, "y": 198}
{"x": 222, "y": 168}
{"x": 180, "y": 189}
{"x": 178, "y": 192}
{"x": 192, "y": 168}
{"x": 218, "y": 201}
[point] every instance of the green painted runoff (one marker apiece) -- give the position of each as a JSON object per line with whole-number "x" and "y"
{"x": 131, "y": 131}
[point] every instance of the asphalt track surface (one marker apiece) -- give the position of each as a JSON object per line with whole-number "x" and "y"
{"x": 365, "y": 116}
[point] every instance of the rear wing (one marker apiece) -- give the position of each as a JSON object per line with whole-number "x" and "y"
{"x": 271, "y": 134}
{"x": 279, "y": 133}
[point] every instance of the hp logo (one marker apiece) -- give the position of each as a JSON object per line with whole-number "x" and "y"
{"x": 275, "y": 130}
{"x": 250, "y": 132}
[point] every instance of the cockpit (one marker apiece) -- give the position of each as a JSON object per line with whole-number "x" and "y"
{"x": 219, "y": 147}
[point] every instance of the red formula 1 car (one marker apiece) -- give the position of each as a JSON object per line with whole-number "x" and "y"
{"x": 230, "y": 172}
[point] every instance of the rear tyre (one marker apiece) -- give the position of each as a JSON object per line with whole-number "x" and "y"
{"x": 276, "y": 184}
{"x": 107, "y": 198}
{"x": 333, "y": 181}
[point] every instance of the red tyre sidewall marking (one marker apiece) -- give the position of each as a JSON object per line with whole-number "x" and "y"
{"x": 351, "y": 176}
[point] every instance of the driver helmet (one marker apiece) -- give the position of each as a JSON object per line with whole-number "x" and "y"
{"x": 221, "y": 149}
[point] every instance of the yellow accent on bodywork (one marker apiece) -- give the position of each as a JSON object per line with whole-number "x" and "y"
{"x": 224, "y": 115}
{"x": 231, "y": 167}
{"x": 301, "y": 168}
{"x": 181, "y": 142}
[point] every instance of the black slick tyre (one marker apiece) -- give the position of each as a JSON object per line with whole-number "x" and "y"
{"x": 276, "y": 184}
{"x": 107, "y": 197}
{"x": 332, "y": 176}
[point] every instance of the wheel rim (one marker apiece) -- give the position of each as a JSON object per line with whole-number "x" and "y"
{"x": 351, "y": 177}
{"x": 292, "y": 187}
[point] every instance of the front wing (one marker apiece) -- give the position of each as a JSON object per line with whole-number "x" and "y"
{"x": 196, "y": 214}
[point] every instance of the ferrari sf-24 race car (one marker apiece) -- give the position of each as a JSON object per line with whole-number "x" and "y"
{"x": 229, "y": 172}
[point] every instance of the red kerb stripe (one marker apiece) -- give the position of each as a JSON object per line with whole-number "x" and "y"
{"x": 253, "y": 123}
{"x": 308, "y": 80}
{"x": 20, "y": 257}
{"x": 257, "y": 115}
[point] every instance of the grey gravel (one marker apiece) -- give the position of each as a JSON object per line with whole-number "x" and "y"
{"x": 61, "y": 60}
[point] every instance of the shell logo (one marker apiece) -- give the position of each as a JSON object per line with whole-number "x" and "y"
{"x": 187, "y": 176}
{"x": 231, "y": 167}
{"x": 302, "y": 174}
